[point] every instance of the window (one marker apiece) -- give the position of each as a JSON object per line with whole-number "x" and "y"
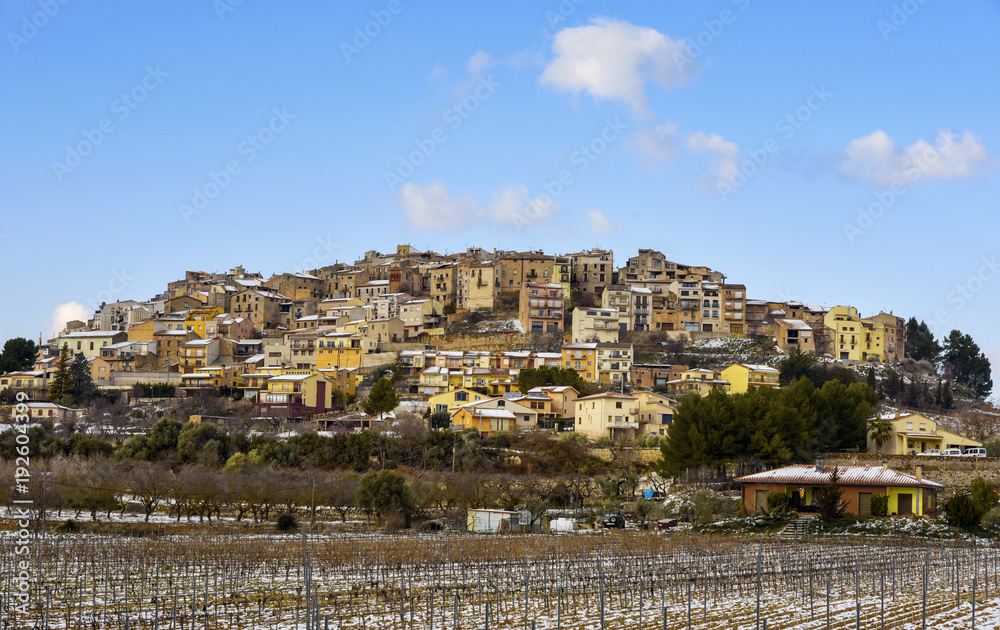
{"x": 618, "y": 405}
{"x": 909, "y": 426}
{"x": 461, "y": 396}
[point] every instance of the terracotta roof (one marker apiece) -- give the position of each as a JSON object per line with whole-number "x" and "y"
{"x": 858, "y": 475}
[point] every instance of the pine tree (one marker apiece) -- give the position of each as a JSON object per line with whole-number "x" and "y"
{"x": 381, "y": 399}
{"x": 872, "y": 382}
{"x": 947, "y": 400}
{"x": 62, "y": 379}
{"x": 83, "y": 384}
{"x": 939, "y": 394}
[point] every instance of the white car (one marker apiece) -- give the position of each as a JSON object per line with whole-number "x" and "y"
{"x": 931, "y": 451}
{"x": 951, "y": 452}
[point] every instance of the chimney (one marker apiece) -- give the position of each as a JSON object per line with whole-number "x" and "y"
{"x": 918, "y": 474}
{"x": 820, "y": 465}
{"x": 885, "y": 464}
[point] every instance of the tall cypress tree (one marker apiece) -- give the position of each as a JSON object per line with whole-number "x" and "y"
{"x": 62, "y": 380}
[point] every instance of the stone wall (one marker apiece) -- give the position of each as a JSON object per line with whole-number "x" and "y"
{"x": 951, "y": 472}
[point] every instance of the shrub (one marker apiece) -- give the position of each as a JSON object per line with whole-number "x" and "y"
{"x": 69, "y": 527}
{"x": 777, "y": 503}
{"x": 286, "y": 522}
{"x": 961, "y": 511}
{"x": 992, "y": 519}
{"x": 880, "y": 504}
{"x": 983, "y": 495}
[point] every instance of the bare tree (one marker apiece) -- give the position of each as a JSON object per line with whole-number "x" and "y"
{"x": 338, "y": 492}
{"x": 151, "y": 484}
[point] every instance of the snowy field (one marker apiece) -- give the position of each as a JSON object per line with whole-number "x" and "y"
{"x": 615, "y": 580}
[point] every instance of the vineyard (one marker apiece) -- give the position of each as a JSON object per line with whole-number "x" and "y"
{"x": 612, "y": 580}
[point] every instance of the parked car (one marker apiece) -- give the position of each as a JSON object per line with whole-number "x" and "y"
{"x": 931, "y": 451}
{"x": 613, "y": 521}
{"x": 951, "y": 452}
{"x": 977, "y": 451}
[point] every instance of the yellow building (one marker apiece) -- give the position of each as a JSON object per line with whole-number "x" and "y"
{"x": 339, "y": 350}
{"x": 197, "y": 319}
{"x": 614, "y": 363}
{"x": 608, "y": 414}
{"x": 696, "y": 381}
{"x": 89, "y": 342}
{"x": 581, "y": 357}
{"x": 449, "y": 400}
{"x": 295, "y": 393}
{"x": 478, "y": 286}
{"x": 656, "y": 413}
{"x": 563, "y": 397}
{"x": 541, "y": 307}
{"x": 497, "y": 380}
{"x": 32, "y": 382}
{"x": 854, "y": 338}
{"x": 915, "y": 433}
{"x": 486, "y": 421}
{"x": 524, "y": 416}
{"x": 589, "y": 324}
{"x": 743, "y": 376}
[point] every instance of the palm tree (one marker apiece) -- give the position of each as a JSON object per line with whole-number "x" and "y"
{"x": 881, "y": 431}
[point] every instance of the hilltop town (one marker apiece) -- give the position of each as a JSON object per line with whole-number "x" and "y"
{"x": 473, "y": 319}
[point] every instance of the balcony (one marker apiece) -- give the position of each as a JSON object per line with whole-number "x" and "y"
{"x": 622, "y": 424}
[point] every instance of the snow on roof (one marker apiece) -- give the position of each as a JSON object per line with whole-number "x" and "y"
{"x": 795, "y": 324}
{"x": 91, "y": 333}
{"x": 856, "y": 475}
{"x": 491, "y": 413}
{"x": 255, "y": 358}
{"x": 760, "y": 368}
{"x": 290, "y": 377}
{"x": 607, "y": 395}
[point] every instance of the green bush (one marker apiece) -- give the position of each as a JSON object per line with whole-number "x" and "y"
{"x": 961, "y": 511}
{"x": 286, "y": 522}
{"x": 880, "y": 504}
{"x": 777, "y": 503}
{"x": 992, "y": 519}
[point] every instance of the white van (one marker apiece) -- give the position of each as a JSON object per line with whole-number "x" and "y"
{"x": 976, "y": 452}
{"x": 951, "y": 452}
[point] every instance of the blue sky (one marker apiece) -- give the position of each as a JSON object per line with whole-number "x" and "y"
{"x": 652, "y": 115}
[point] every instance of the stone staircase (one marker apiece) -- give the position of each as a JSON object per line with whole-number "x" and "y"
{"x": 796, "y": 529}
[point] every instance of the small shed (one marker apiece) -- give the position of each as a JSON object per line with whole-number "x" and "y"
{"x": 493, "y": 521}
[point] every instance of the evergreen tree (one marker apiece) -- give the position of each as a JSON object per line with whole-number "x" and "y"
{"x": 947, "y": 400}
{"x": 872, "y": 381}
{"x": 440, "y": 420}
{"x": 969, "y": 364}
{"x": 795, "y": 366}
{"x": 920, "y": 342}
{"x": 61, "y": 385}
{"x": 83, "y": 385}
{"x": 381, "y": 399}
{"x": 18, "y": 354}
{"x": 829, "y": 499}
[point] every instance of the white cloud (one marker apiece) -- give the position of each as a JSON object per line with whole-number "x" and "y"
{"x": 876, "y": 158}
{"x": 432, "y": 207}
{"x": 613, "y": 60}
{"x": 724, "y": 154}
{"x": 66, "y": 313}
{"x": 599, "y": 223}
{"x": 480, "y": 61}
{"x": 656, "y": 144}
{"x": 438, "y": 73}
